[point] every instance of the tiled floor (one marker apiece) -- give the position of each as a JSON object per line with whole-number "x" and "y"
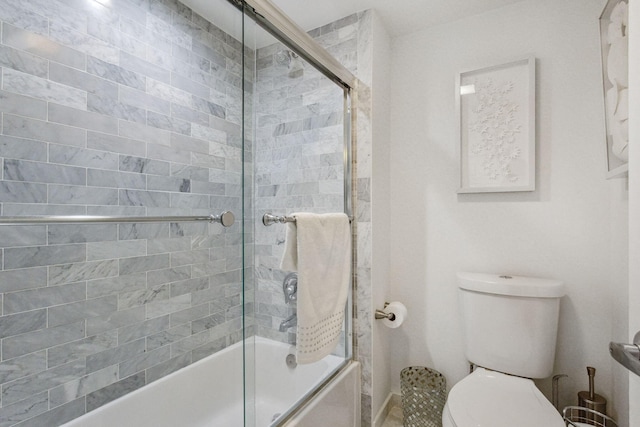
{"x": 394, "y": 419}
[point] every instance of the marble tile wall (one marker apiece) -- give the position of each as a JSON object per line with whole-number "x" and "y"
{"x": 128, "y": 109}
{"x": 298, "y": 160}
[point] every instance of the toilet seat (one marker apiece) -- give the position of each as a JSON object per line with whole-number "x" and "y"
{"x": 493, "y": 399}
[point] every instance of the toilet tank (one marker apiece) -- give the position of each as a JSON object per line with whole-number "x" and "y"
{"x": 510, "y": 323}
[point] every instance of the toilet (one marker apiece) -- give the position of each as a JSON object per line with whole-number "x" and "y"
{"x": 510, "y": 325}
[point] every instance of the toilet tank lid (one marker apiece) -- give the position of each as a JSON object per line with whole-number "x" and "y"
{"x": 503, "y": 284}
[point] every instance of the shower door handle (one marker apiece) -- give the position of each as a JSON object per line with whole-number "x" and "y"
{"x": 628, "y": 355}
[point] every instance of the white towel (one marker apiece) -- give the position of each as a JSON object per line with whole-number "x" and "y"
{"x": 318, "y": 247}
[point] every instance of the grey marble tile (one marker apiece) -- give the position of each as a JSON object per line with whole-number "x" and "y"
{"x": 42, "y": 46}
{"x": 69, "y": 313}
{"x": 186, "y": 345}
{"x": 78, "y": 349}
{"x": 19, "y": 345}
{"x": 57, "y": 416}
{"x": 141, "y": 132}
{"x": 43, "y": 131}
{"x": 18, "y": 280}
{"x": 161, "y": 152}
{"x": 163, "y": 369}
{"x": 189, "y": 286}
{"x": 109, "y": 33}
{"x": 116, "y": 144}
{"x": 144, "y": 68}
{"x": 22, "y": 323}
{"x": 23, "y": 366}
{"x": 18, "y": 235}
{"x": 143, "y": 165}
{"x": 141, "y": 330}
{"x": 82, "y": 157}
{"x": 197, "y": 256}
{"x": 114, "y": 391}
{"x": 115, "y": 109}
{"x": 114, "y": 285}
{"x": 83, "y": 386}
{"x": 144, "y": 361}
{"x": 83, "y": 119}
{"x": 76, "y": 195}
{"x": 141, "y": 297}
{"x": 171, "y": 124}
{"x": 24, "y": 409}
{"x": 19, "y": 148}
{"x": 14, "y": 103}
{"x": 96, "y": 325}
{"x": 189, "y": 201}
{"x": 143, "y": 231}
{"x": 43, "y": 89}
{"x": 103, "y": 178}
{"x": 143, "y": 263}
{"x": 42, "y": 255}
{"x": 16, "y": 302}
{"x": 160, "y": 277}
{"x": 149, "y": 199}
{"x": 82, "y": 80}
{"x": 15, "y": 13}
{"x": 159, "y": 246}
{"x": 115, "y": 355}
{"x": 140, "y": 99}
{"x": 81, "y": 233}
{"x": 22, "y": 170}
{"x": 168, "y": 306}
{"x": 82, "y": 42}
{"x": 112, "y": 250}
{"x": 166, "y": 183}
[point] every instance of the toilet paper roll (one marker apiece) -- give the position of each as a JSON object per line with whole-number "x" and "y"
{"x": 399, "y": 311}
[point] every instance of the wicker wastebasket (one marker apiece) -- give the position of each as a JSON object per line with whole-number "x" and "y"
{"x": 424, "y": 392}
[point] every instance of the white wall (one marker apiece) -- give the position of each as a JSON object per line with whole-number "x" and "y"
{"x": 562, "y": 230}
{"x": 634, "y": 196}
{"x": 380, "y": 182}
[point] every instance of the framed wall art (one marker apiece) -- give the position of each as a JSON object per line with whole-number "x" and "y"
{"x": 614, "y": 47}
{"x": 496, "y": 127}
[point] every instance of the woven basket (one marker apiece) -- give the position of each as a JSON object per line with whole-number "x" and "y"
{"x": 424, "y": 393}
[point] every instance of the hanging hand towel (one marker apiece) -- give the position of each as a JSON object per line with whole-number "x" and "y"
{"x": 318, "y": 247}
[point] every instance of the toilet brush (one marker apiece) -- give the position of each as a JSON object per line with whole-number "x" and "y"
{"x": 591, "y": 400}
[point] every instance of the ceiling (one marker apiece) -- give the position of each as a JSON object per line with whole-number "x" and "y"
{"x": 399, "y": 16}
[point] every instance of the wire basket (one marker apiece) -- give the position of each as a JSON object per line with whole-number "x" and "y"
{"x": 424, "y": 392}
{"x": 578, "y": 416}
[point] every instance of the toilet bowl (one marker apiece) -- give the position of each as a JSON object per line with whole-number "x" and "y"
{"x": 510, "y": 328}
{"x": 492, "y": 399}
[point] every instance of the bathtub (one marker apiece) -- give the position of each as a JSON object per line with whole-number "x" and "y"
{"x": 210, "y": 393}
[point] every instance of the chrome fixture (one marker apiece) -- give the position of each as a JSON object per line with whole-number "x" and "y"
{"x": 291, "y": 361}
{"x": 289, "y": 322}
{"x": 628, "y": 355}
{"x": 380, "y": 314}
{"x": 270, "y": 219}
{"x": 290, "y": 287}
{"x": 226, "y": 219}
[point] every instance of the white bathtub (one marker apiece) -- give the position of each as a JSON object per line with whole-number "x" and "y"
{"x": 210, "y": 393}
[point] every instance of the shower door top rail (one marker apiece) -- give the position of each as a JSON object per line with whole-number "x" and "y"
{"x": 226, "y": 219}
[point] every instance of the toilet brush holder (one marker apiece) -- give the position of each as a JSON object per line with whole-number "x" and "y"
{"x": 590, "y": 400}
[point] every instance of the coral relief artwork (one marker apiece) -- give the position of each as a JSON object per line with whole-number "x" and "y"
{"x": 496, "y": 127}
{"x": 494, "y": 121}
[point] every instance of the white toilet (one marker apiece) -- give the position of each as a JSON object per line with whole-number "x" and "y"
{"x": 510, "y": 325}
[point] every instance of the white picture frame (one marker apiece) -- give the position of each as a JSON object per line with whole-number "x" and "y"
{"x": 496, "y": 127}
{"x": 615, "y": 84}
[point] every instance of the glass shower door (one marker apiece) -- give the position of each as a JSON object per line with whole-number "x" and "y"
{"x": 296, "y": 120}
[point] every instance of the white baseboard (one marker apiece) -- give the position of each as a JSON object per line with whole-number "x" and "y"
{"x": 391, "y": 401}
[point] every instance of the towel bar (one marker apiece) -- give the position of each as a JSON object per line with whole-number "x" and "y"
{"x": 270, "y": 219}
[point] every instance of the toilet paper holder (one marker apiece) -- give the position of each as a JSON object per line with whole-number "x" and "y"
{"x": 381, "y": 314}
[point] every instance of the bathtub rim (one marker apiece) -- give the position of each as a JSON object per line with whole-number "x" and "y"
{"x": 310, "y": 397}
